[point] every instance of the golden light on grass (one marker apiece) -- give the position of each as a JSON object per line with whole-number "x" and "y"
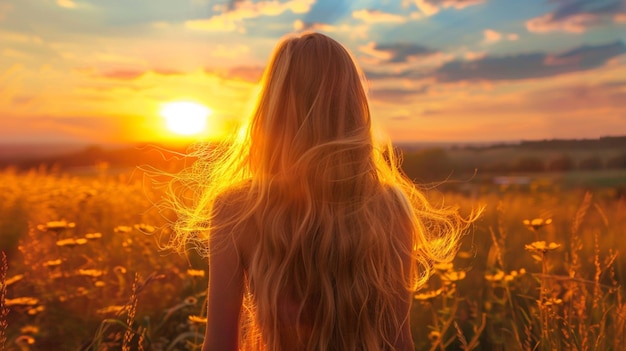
{"x": 71, "y": 242}
{"x": 56, "y": 226}
{"x": 22, "y": 301}
{"x": 197, "y": 319}
{"x": 195, "y": 273}
{"x": 542, "y": 246}
{"x": 110, "y": 309}
{"x": 431, "y": 294}
{"x": 95, "y": 273}
{"x": 536, "y": 223}
{"x": 13, "y": 279}
{"x": 93, "y": 236}
{"x": 186, "y": 118}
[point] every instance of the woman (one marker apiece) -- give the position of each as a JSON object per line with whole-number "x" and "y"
{"x": 316, "y": 240}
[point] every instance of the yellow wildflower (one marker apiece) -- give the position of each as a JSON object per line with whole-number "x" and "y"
{"x": 551, "y": 301}
{"x": 56, "y": 226}
{"x": 24, "y": 340}
{"x": 443, "y": 266}
{"x": 52, "y": 263}
{"x": 35, "y": 310}
{"x": 428, "y": 295}
{"x": 29, "y": 329}
{"x": 21, "y": 301}
{"x": 93, "y": 236}
{"x": 197, "y": 319}
{"x": 536, "y": 223}
{"x": 453, "y": 276}
{"x": 542, "y": 246}
{"x": 14, "y": 279}
{"x": 71, "y": 242}
{"x": 434, "y": 336}
{"x": 497, "y": 276}
{"x": 195, "y": 272}
{"x": 95, "y": 273}
{"x": 122, "y": 229}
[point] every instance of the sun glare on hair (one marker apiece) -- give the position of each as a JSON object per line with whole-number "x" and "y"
{"x": 185, "y": 117}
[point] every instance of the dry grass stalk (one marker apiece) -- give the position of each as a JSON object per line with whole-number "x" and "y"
{"x": 142, "y": 339}
{"x": 4, "y": 311}
{"x": 130, "y": 317}
{"x": 597, "y": 293}
{"x": 497, "y": 248}
{"x": 575, "y": 241}
{"x": 501, "y": 229}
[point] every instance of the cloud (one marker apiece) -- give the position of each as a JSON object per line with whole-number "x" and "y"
{"x": 576, "y": 16}
{"x": 167, "y": 72}
{"x": 376, "y": 16}
{"x": 124, "y": 74}
{"x": 134, "y": 74}
{"x": 250, "y": 74}
{"x": 55, "y": 129}
{"x": 20, "y": 38}
{"x": 230, "y": 51}
{"x": 491, "y": 36}
{"x": 68, "y": 4}
{"x": 582, "y": 97}
{"x": 404, "y": 74}
{"x": 431, "y": 7}
{"x": 240, "y": 10}
{"x": 5, "y": 8}
{"x": 22, "y": 100}
{"x": 396, "y": 95}
{"x": 396, "y": 52}
{"x": 352, "y": 31}
{"x": 531, "y": 65}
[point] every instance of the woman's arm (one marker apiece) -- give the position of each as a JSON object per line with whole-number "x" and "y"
{"x": 226, "y": 286}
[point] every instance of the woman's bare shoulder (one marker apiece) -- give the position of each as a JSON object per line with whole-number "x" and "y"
{"x": 230, "y": 199}
{"x": 232, "y": 209}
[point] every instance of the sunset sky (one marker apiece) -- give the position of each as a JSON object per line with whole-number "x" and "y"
{"x": 98, "y": 71}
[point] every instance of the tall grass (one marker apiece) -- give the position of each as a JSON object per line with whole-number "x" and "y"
{"x": 542, "y": 270}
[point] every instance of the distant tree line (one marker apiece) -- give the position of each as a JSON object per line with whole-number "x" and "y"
{"x": 432, "y": 165}
{"x": 602, "y": 143}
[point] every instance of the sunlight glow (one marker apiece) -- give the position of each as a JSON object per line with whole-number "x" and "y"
{"x": 186, "y": 117}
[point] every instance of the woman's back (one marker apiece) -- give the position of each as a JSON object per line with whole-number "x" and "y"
{"x": 326, "y": 276}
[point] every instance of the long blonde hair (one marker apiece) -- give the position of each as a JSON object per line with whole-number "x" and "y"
{"x": 331, "y": 210}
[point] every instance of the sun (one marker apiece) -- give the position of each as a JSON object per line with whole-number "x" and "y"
{"x": 185, "y": 117}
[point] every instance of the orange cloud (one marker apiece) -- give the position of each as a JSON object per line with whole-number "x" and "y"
{"x": 578, "y": 16}
{"x": 131, "y": 74}
{"x": 5, "y": 8}
{"x": 431, "y": 7}
{"x": 491, "y": 36}
{"x": 250, "y": 74}
{"x": 530, "y": 65}
{"x": 124, "y": 74}
{"x": 376, "y": 16}
{"x": 230, "y": 20}
{"x": 573, "y": 24}
{"x": 68, "y": 4}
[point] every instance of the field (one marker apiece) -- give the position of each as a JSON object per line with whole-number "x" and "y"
{"x": 543, "y": 269}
